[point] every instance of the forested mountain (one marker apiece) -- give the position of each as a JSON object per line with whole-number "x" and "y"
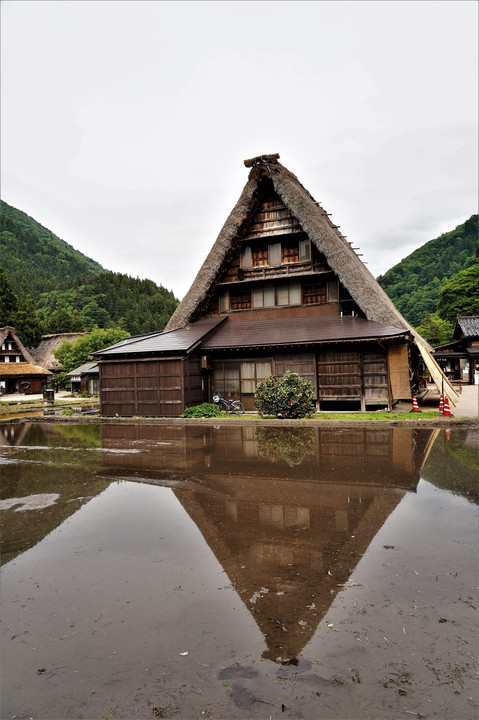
{"x": 29, "y": 250}
{"x": 414, "y": 284}
{"x": 110, "y": 299}
{"x": 66, "y": 290}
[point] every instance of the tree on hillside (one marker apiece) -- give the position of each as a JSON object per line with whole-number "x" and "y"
{"x": 27, "y": 326}
{"x": 414, "y": 284}
{"x": 8, "y": 301}
{"x": 73, "y": 354}
{"x": 460, "y": 295}
{"x": 62, "y": 321}
{"x": 435, "y": 330}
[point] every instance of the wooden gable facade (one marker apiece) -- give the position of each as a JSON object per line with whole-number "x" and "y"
{"x": 18, "y": 372}
{"x": 281, "y": 289}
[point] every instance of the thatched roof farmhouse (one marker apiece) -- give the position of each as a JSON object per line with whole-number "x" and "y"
{"x": 281, "y": 289}
{"x": 18, "y": 371}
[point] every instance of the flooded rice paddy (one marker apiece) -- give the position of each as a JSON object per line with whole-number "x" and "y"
{"x": 238, "y": 572}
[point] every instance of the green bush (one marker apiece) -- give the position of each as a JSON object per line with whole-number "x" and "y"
{"x": 205, "y": 410}
{"x": 289, "y": 396}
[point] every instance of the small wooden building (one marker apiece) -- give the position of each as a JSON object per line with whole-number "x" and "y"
{"x": 459, "y": 359}
{"x": 281, "y": 289}
{"x": 18, "y": 372}
{"x": 85, "y": 379}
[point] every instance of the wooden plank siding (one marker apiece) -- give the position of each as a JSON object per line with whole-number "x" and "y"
{"x": 375, "y": 374}
{"x": 301, "y": 363}
{"x": 354, "y": 375}
{"x": 339, "y": 375}
{"x": 145, "y": 387}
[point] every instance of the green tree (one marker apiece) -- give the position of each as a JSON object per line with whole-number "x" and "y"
{"x": 8, "y": 301}
{"x": 73, "y": 354}
{"x": 27, "y": 326}
{"x": 460, "y": 295}
{"x": 62, "y": 321}
{"x": 435, "y": 330}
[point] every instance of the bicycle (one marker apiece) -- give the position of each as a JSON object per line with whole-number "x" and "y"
{"x": 233, "y": 406}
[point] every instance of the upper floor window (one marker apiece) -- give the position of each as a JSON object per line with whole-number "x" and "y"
{"x": 290, "y": 252}
{"x": 314, "y": 293}
{"x": 304, "y": 250}
{"x": 259, "y": 256}
{"x": 240, "y": 300}
{"x": 275, "y": 253}
{"x": 270, "y": 294}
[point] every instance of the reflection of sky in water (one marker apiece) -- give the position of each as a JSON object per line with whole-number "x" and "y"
{"x": 30, "y": 502}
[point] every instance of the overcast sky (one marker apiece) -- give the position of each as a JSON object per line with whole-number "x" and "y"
{"x": 124, "y": 125}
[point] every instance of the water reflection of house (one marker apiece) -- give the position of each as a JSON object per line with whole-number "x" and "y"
{"x": 18, "y": 371}
{"x": 281, "y": 289}
{"x": 287, "y": 533}
{"x": 12, "y": 434}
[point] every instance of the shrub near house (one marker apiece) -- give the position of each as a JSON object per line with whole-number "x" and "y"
{"x": 289, "y": 396}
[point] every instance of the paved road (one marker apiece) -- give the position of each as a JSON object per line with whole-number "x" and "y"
{"x": 467, "y": 406}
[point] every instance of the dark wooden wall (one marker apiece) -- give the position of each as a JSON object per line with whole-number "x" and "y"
{"x": 142, "y": 387}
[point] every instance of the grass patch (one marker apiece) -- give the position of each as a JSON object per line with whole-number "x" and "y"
{"x": 378, "y": 416}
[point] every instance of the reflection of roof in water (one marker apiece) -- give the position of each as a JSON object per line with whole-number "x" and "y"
{"x": 386, "y": 456}
{"x": 288, "y": 557}
{"x": 288, "y": 515}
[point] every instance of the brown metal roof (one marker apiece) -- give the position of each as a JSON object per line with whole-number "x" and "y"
{"x": 297, "y": 330}
{"x": 180, "y": 340}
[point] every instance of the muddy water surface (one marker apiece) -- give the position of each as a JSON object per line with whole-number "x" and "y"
{"x": 238, "y": 572}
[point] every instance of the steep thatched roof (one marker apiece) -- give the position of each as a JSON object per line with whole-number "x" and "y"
{"x": 43, "y": 355}
{"x": 5, "y": 331}
{"x": 349, "y": 268}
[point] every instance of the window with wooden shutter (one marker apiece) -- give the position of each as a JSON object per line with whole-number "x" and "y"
{"x": 240, "y": 300}
{"x": 259, "y": 256}
{"x": 290, "y": 252}
{"x": 314, "y": 293}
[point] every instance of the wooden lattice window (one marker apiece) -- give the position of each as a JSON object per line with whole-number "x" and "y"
{"x": 314, "y": 293}
{"x": 259, "y": 256}
{"x": 290, "y": 252}
{"x": 240, "y": 300}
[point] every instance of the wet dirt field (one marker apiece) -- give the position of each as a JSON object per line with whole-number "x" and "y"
{"x": 238, "y": 572}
